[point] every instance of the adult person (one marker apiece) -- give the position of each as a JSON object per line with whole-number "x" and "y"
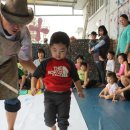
{"x": 15, "y": 42}
{"x": 125, "y": 91}
{"x": 123, "y": 45}
{"x": 102, "y": 48}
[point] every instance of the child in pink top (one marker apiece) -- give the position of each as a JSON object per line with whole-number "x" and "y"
{"x": 122, "y": 59}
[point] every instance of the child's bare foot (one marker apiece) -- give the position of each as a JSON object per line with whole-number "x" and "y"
{"x": 83, "y": 86}
{"x": 53, "y": 128}
{"x": 114, "y": 100}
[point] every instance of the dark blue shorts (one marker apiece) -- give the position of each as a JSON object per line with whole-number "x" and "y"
{"x": 12, "y": 105}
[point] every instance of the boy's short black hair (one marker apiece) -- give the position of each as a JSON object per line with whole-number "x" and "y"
{"x": 112, "y": 75}
{"x": 60, "y": 37}
{"x": 94, "y": 33}
{"x": 111, "y": 52}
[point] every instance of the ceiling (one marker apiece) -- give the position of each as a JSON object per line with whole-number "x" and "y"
{"x": 76, "y": 4}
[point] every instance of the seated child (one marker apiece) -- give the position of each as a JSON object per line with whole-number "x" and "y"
{"x": 83, "y": 74}
{"x": 79, "y": 60}
{"x": 122, "y": 59}
{"x": 109, "y": 91}
{"x": 110, "y": 66}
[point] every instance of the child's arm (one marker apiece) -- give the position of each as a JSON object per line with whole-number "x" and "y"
{"x": 104, "y": 91}
{"x": 39, "y": 72}
{"x": 113, "y": 66}
{"x": 79, "y": 88}
{"x": 114, "y": 98}
{"x": 121, "y": 70}
{"x": 86, "y": 80}
{"x": 22, "y": 81}
{"x": 33, "y": 85}
{"x": 101, "y": 93}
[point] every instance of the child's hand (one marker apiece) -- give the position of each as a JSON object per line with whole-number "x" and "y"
{"x": 80, "y": 94}
{"x": 92, "y": 49}
{"x": 101, "y": 59}
{"x": 33, "y": 91}
{"x": 83, "y": 86}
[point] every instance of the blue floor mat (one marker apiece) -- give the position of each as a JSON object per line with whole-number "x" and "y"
{"x": 101, "y": 114}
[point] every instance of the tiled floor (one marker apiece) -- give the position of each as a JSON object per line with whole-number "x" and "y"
{"x": 30, "y": 117}
{"x": 100, "y": 114}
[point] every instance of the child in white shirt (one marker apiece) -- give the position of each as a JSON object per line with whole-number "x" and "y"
{"x": 110, "y": 66}
{"x": 109, "y": 91}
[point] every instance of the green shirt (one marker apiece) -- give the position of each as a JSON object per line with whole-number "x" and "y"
{"x": 20, "y": 72}
{"x": 123, "y": 40}
{"x": 81, "y": 75}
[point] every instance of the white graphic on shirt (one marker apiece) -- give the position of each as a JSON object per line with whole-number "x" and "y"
{"x": 60, "y": 71}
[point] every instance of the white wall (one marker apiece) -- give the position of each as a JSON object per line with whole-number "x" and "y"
{"x": 108, "y": 15}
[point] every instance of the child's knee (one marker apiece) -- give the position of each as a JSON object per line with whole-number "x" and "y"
{"x": 124, "y": 81}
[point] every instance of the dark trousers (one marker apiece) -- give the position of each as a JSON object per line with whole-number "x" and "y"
{"x": 57, "y": 108}
{"x": 101, "y": 71}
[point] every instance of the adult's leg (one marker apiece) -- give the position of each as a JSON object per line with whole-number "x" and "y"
{"x": 12, "y": 106}
{"x": 101, "y": 71}
{"x": 98, "y": 70}
{"x": 11, "y": 117}
{"x": 125, "y": 81}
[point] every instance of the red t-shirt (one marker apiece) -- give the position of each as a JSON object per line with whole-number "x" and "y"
{"x": 57, "y": 74}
